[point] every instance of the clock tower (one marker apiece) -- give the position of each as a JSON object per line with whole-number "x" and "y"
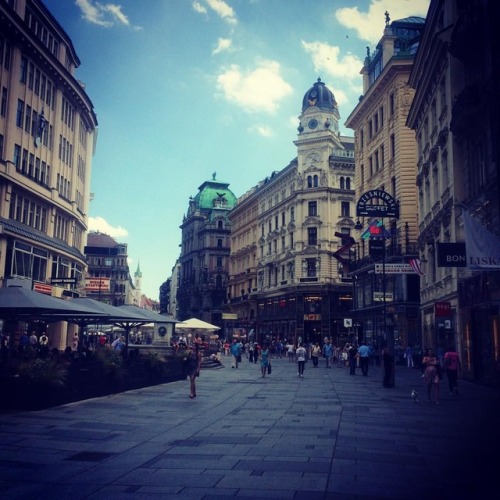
{"x": 318, "y": 132}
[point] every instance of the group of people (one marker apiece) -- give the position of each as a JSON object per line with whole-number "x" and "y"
{"x": 433, "y": 372}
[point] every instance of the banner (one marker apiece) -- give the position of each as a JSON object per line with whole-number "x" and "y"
{"x": 97, "y": 284}
{"x": 482, "y": 246}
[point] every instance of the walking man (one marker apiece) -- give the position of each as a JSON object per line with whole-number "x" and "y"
{"x": 301, "y": 359}
{"x": 364, "y": 357}
{"x": 328, "y": 353}
{"x": 235, "y": 353}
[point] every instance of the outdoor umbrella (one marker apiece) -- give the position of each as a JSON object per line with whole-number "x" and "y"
{"x": 195, "y": 324}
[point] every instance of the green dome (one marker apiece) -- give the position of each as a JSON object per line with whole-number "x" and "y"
{"x": 214, "y": 194}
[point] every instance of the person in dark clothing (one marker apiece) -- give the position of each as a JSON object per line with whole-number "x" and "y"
{"x": 353, "y": 352}
{"x": 388, "y": 361}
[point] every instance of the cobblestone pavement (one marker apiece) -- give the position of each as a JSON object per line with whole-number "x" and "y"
{"x": 327, "y": 435}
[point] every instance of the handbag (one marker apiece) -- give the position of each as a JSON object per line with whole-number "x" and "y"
{"x": 269, "y": 368}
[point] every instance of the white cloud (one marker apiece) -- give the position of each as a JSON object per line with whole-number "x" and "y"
{"x": 103, "y": 226}
{"x": 106, "y": 15}
{"x": 258, "y": 90}
{"x": 326, "y": 59}
{"x": 197, "y": 7}
{"x": 223, "y": 10}
{"x": 223, "y": 44}
{"x": 262, "y": 130}
{"x": 369, "y": 25}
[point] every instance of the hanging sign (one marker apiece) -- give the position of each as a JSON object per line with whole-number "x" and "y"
{"x": 385, "y": 206}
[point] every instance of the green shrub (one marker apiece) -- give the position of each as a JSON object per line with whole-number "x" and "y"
{"x": 42, "y": 373}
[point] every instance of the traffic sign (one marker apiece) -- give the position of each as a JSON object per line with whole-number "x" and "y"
{"x": 394, "y": 269}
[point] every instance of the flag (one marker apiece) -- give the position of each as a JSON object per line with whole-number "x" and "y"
{"x": 482, "y": 246}
{"x": 416, "y": 266}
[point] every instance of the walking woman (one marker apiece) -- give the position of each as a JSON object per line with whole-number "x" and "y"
{"x": 264, "y": 359}
{"x": 431, "y": 377}
{"x": 193, "y": 362}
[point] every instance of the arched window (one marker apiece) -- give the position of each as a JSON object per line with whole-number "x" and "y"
{"x": 342, "y": 183}
{"x": 348, "y": 183}
{"x": 316, "y": 181}
{"x": 309, "y": 181}
{"x": 219, "y": 225}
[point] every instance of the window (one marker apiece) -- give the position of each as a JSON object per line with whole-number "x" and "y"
{"x": 392, "y": 106}
{"x": 345, "y": 209}
{"x": 291, "y": 241}
{"x": 381, "y": 116}
{"x": 312, "y": 208}
{"x": 219, "y": 261}
{"x": 312, "y": 236}
{"x": 393, "y": 147}
{"x": 348, "y": 183}
{"x": 342, "y": 183}
{"x": 311, "y": 268}
{"x": 20, "y": 113}
{"x": 3, "y": 107}
{"x": 283, "y": 218}
{"x": 361, "y": 138}
{"x": 219, "y": 242}
{"x": 29, "y": 262}
{"x": 276, "y": 218}
{"x": 370, "y": 129}
{"x": 292, "y": 214}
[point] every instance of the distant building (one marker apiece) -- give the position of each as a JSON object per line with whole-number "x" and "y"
{"x": 108, "y": 278}
{"x": 204, "y": 258}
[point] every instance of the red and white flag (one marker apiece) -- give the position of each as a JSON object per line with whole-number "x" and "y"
{"x": 416, "y": 266}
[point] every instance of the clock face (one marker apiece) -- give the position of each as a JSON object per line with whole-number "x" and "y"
{"x": 313, "y": 123}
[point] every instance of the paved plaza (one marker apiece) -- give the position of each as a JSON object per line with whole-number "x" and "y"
{"x": 328, "y": 435}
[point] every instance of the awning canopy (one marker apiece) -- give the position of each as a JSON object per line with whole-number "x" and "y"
{"x": 150, "y": 316}
{"x": 22, "y": 304}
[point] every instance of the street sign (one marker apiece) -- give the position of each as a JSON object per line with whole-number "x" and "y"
{"x": 394, "y": 269}
{"x": 63, "y": 281}
{"x": 347, "y": 322}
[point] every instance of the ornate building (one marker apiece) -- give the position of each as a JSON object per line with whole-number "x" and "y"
{"x": 204, "y": 258}
{"x": 47, "y": 140}
{"x": 286, "y": 272}
{"x": 386, "y": 304}
{"x": 455, "y": 117}
{"x": 108, "y": 278}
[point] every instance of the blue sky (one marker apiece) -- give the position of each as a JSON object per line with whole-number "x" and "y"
{"x": 184, "y": 88}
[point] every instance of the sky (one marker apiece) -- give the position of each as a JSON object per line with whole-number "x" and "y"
{"x": 184, "y": 89}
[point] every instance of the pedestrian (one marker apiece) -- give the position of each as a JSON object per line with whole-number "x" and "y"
{"x": 409, "y": 356}
{"x": 328, "y": 353}
{"x": 431, "y": 375}
{"x": 119, "y": 344}
{"x": 388, "y": 362}
{"x": 33, "y": 340}
{"x": 452, "y": 366}
{"x": 353, "y": 353}
{"x": 235, "y": 353}
{"x": 290, "y": 349}
{"x": 264, "y": 359}
{"x": 251, "y": 352}
{"x": 315, "y": 352}
{"x": 44, "y": 346}
{"x": 193, "y": 365}
{"x": 364, "y": 358}
{"x": 301, "y": 354}
{"x": 226, "y": 348}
